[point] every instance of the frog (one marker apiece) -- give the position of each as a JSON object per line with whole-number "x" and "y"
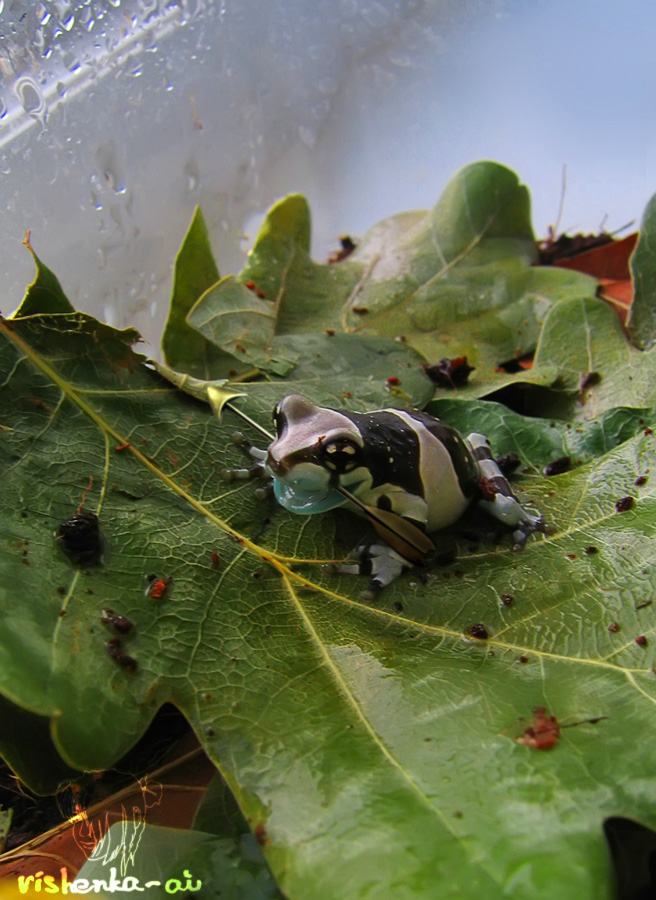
{"x": 411, "y": 474}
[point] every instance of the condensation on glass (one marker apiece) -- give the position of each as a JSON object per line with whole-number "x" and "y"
{"x": 118, "y": 116}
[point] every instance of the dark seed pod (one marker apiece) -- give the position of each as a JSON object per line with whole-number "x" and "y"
{"x": 79, "y": 537}
{"x": 479, "y": 632}
{"x": 113, "y": 647}
{"x": 558, "y": 466}
{"x": 127, "y": 662}
{"x": 122, "y": 624}
{"x": 449, "y": 373}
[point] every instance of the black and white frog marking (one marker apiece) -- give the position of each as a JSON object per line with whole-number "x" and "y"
{"x": 416, "y": 471}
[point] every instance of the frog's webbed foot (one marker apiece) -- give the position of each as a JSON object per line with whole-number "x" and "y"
{"x": 257, "y": 470}
{"x": 528, "y": 526}
{"x": 380, "y": 561}
{"x": 497, "y": 496}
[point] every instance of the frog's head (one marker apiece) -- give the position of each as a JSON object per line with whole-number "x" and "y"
{"x": 316, "y": 450}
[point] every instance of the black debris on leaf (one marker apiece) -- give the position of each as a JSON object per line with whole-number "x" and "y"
{"x": 587, "y": 380}
{"x": 125, "y": 661}
{"x": 479, "y": 632}
{"x": 566, "y": 246}
{"x": 79, "y": 537}
{"x": 347, "y": 246}
{"x": 508, "y": 463}
{"x": 450, "y": 373}
{"x": 558, "y": 466}
{"x": 119, "y": 623}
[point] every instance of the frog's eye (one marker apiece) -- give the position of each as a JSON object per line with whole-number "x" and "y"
{"x": 341, "y": 455}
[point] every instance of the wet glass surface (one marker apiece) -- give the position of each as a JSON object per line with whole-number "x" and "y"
{"x": 118, "y": 116}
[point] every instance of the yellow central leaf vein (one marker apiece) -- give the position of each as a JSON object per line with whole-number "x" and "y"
{"x": 350, "y": 698}
{"x": 442, "y": 631}
{"x": 270, "y": 556}
{"x": 630, "y": 678}
{"x": 60, "y": 618}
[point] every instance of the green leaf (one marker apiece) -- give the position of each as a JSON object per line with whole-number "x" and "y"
{"x": 167, "y": 857}
{"x": 27, "y": 746}
{"x": 219, "y": 814}
{"x": 235, "y": 319}
{"x": 585, "y": 336}
{"x": 642, "y": 315}
{"x": 344, "y": 370}
{"x": 45, "y": 294}
{"x": 374, "y": 744}
{"x": 241, "y": 320}
{"x": 194, "y": 273}
{"x": 5, "y": 824}
{"x": 456, "y": 280}
{"x": 538, "y": 441}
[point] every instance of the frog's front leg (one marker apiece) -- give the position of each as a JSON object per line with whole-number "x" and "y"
{"x": 257, "y": 470}
{"x": 380, "y": 561}
{"x": 497, "y": 495}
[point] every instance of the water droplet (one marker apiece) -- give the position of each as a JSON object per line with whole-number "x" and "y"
{"x": 193, "y": 175}
{"x": 114, "y": 3}
{"x": 42, "y": 14}
{"x": 68, "y": 22}
{"x": 307, "y": 135}
{"x": 61, "y": 88}
{"x": 30, "y": 96}
{"x": 3, "y": 109}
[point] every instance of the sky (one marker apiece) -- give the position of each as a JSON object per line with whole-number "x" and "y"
{"x": 558, "y": 89}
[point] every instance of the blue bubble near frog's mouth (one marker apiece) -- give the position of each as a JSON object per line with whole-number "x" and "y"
{"x": 307, "y": 502}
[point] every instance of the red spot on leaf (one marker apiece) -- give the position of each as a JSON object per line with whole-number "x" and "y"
{"x": 543, "y": 732}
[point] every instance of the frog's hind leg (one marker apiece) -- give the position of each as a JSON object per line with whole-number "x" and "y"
{"x": 497, "y": 495}
{"x": 380, "y": 561}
